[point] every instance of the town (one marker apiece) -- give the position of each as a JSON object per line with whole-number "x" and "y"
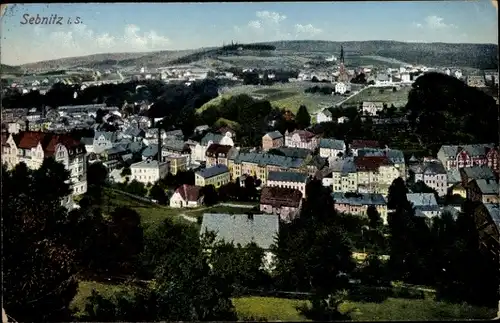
{"x": 334, "y": 190}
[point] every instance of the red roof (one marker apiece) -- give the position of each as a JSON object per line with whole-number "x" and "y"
{"x": 356, "y": 144}
{"x": 370, "y": 163}
{"x": 304, "y": 134}
{"x": 215, "y": 149}
{"x": 49, "y": 141}
{"x": 189, "y": 192}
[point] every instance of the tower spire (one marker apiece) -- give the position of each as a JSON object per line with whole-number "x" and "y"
{"x": 342, "y": 54}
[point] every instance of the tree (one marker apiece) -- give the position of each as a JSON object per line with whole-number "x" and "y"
{"x": 157, "y": 193}
{"x": 209, "y": 195}
{"x": 375, "y": 220}
{"x": 396, "y": 196}
{"x": 38, "y": 261}
{"x": 126, "y": 171}
{"x": 136, "y": 188}
{"x": 302, "y": 118}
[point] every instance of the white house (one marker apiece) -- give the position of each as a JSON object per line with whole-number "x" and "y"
{"x": 33, "y": 147}
{"x": 341, "y": 88}
{"x": 458, "y": 74}
{"x": 199, "y": 152}
{"x": 301, "y": 139}
{"x": 329, "y": 148}
{"x": 186, "y": 196}
{"x": 324, "y": 116}
{"x": 371, "y": 108}
{"x": 447, "y": 71}
{"x": 294, "y": 180}
{"x": 104, "y": 140}
{"x": 149, "y": 171}
{"x": 405, "y": 78}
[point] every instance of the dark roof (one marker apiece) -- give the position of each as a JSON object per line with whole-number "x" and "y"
{"x": 274, "y": 135}
{"x": 331, "y": 144}
{"x": 293, "y": 152}
{"x": 478, "y": 172}
{"x": 213, "y": 171}
{"x": 211, "y": 137}
{"x": 358, "y": 198}
{"x": 287, "y": 177}
{"x": 357, "y": 144}
{"x": 242, "y": 228}
{"x": 280, "y": 196}
{"x": 269, "y": 159}
{"x": 370, "y": 163}
{"x": 488, "y": 187}
{"x": 215, "y": 149}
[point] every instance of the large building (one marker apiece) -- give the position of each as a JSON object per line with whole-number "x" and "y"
{"x": 33, "y": 147}
{"x": 149, "y": 171}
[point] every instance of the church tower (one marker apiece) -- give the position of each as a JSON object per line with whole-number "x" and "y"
{"x": 343, "y": 77}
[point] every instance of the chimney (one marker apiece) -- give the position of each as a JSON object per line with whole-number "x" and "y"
{"x": 27, "y": 125}
{"x": 159, "y": 143}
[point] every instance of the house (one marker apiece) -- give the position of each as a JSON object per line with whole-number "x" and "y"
{"x": 371, "y": 108}
{"x": 177, "y": 163}
{"x": 477, "y": 172}
{"x": 186, "y": 196}
{"x": 104, "y": 140}
{"x": 217, "y": 176}
{"x": 133, "y": 132}
{"x": 218, "y": 154}
{"x": 355, "y": 145}
{"x": 456, "y": 156}
{"x": 116, "y": 177}
{"x": 272, "y": 140}
{"x": 341, "y": 88}
{"x": 293, "y": 180}
{"x": 293, "y": 152}
{"x": 433, "y": 174}
{"x": 324, "y": 115}
{"x": 174, "y": 135}
{"x": 149, "y": 171}
{"x": 344, "y": 176}
{"x": 383, "y": 79}
{"x": 395, "y": 156}
{"x": 487, "y": 220}
{"x": 32, "y": 148}
{"x": 476, "y": 81}
{"x": 375, "y": 174}
{"x": 150, "y": 152}
{"x": 301, "y": 139}
{"x": 424, "y": 204}
{"x": 331, "y": 148}
{"x": 284, "y": 202}
{"x": 358, "y": 203}
{"x": 211, "y": 138}
{"x": 483, "y": 190}
{"x": 260, "y": 164}
{"x": 493, "y": 158}
{"x": 342, "y": 119}
{"x": 243, "y": 229}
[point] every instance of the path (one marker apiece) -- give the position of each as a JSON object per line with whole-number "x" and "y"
{"x": 350, "y": 96}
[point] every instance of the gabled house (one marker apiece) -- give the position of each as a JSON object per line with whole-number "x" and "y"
{"x": 493, "y": 158}
{"x": 293, "y": 180}
{"x": 301, "y": 139}
{"x": 218, "y": 154}
{"x": 149, "y": 171}
{"x": 243, "y": 229}
{"x": 272, "y": 140}
{"x": 150, "y": 152}
{"x": 211, "y": 138}
{"x": 424, "y": 204}
{"x": 375, "y": 174}
{"x": 356, "y": 145}
{"x": 331, "y": 148}
{"x": 483, "y": 190}
{"x": 433, "y": 174}
{"x": 344, "y": 176}
{"x": 358, "y": 203}
{"x": 284, "y": 202}
{"x": 324, "y": 115}
{"x": 461, "y": 156}
{"x": 104, "y": 140}
{"x": 186, "y": 196}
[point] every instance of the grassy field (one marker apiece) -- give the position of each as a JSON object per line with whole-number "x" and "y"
{"x": 151, "y": 215}
{"x": 284, "y": 96}
{"x": 398, "y": 98}
{"x": 283, "y": 309}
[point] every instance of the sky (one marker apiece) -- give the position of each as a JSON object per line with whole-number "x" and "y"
{"x": 142, "y": 27}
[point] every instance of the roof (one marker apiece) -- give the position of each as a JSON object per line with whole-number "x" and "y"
{"x": 394, "y": 155}
{"x": 150, "y": 151}
{"x": 115, "y": 150}
{"x": 147, "y": 164}
{"x": 280, "y": 196}
{"x": 303, "y": 134}
{"x": 371, "y": 163}
{"x": 49, "y": 141}
{"x": 451, "y": 151}
{"x": 269, "y": 159}
{"x": 367, "y": 104}
{"x": 453, "y": 176}
{"x": 87, "y": 140}
{"x": 343, "y": 166}
{"x": 216, "y": 149}
{"x": 293, "y": 152}
{"x": 175, "y": 133}
{"x": 211, "y": 137}
{"x": 326, "y": 112}
{"x": 174, "y": 144}
{"x": 242, "y": 228}
{"x": 189, "y": 192}
{"x": 430, "y": 168}
{"x": 108, "y": 135}
{"x": 358, "y": 198}
{"x": 274, "y": 135}
{"x": 287, "y": 177}
{"x": 494, "y": 211}
{"x": 421, "y": 199}
{"x": 357, "y": 144}
{"x": 332, "y": 144}
{"x": 478, "y": 172}
{"x": 487, "y": 187}
{"x": 213, "y": 171}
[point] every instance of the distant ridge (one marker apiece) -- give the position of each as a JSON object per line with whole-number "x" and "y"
{"x": 445, "y": 54}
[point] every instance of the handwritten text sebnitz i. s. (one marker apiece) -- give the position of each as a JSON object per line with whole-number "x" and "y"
{"x": 53, "y": 19}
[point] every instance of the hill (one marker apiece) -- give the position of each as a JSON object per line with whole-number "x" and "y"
{"x": 9, "y": 69}
{"x": 293, "y": 54}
